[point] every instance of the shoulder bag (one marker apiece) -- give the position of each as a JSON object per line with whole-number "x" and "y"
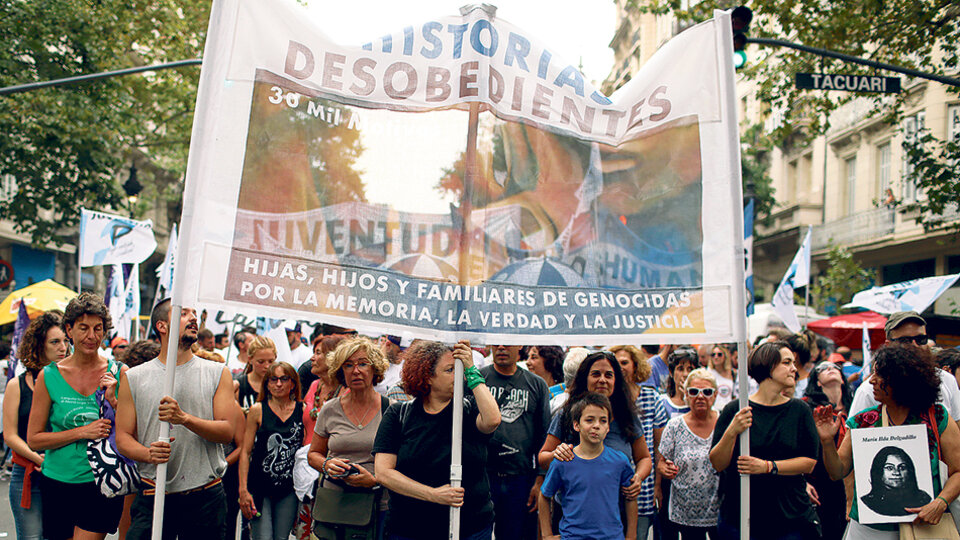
{"x": 115, "y": 474}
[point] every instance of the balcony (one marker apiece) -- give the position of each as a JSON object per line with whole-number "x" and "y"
{"x": 859, "y": 228}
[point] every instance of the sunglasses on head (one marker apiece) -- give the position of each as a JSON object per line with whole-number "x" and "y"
{"x": 694, "y": 392}
{"x": 919, "y": 340}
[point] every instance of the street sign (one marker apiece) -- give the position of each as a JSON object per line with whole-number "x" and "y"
{"x": 6, "y": 274}
{"x": 848, "y": 83}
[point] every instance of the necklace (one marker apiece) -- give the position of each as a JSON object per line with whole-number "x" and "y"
{"x": 364, "y": 416}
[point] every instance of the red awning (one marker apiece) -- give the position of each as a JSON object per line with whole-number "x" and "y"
{"x": 848, "y": 329}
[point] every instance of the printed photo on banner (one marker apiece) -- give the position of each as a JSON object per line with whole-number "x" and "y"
{"x": 544, "y": 212}
{"x": 892, "y": 472}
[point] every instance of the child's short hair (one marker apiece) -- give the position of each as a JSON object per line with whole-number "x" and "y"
{"x": 592, "y": 398}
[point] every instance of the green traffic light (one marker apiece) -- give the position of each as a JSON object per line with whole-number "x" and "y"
{"x": 739, "y": 59}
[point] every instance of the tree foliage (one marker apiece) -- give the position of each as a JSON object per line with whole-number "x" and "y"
{"x": 66, "y": 147}
{"x": 917, "y": 34}
{"x": 844, "y": 278}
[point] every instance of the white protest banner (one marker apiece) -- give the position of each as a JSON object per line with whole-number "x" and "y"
{"x": 797, "y": 275}
{"x": 109, "y": 239}
{"x": 914, "y": 295}
{"x": 165, "y": 270}
{"x": 337, "y": 183}
{"x": 867, "y": 354}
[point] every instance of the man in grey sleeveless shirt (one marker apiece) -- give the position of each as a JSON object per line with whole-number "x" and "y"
{"x": 199, "y": 412}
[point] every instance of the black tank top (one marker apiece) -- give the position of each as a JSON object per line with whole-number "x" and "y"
{"x": 246, "y": 394}
{"x": 23, "y": 410}
{"x": 271, "y": 462}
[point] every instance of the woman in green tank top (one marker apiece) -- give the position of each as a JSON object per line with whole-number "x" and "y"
{"x": 64, "y": 417}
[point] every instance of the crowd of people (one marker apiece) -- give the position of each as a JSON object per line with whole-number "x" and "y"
{"x": 351, "y": 438}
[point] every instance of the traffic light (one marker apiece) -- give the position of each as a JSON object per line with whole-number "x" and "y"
{"x": 740, "y": 20}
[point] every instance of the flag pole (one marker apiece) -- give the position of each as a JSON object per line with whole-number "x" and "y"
{"x": 738, "y": 306}
{"x": 806, "y": 288}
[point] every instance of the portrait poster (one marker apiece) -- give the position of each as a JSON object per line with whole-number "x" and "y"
{"x": 892, "y": 472}
{"x": 457, "y": 180}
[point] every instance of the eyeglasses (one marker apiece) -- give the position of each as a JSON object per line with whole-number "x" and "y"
{"x": 694, "y": 392}
{"x": 282, "y": 379}
{"x": 717, "y": 355}
{"x": 350, "y": 365}
{"x": 919, "y": 340}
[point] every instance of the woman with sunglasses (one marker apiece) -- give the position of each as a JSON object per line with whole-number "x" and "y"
{"x": 721, "y": 366}
{"x": 273, "y": 434}
{"x": 600, "y": 372}
{"x": 345, "y": 430}
{"x": 783, "y": 447}
{"x": 827, "y": 387}
{"x": 685, "y": 460}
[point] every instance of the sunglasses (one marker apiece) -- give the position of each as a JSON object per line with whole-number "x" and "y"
{"x": 717, "y": 354}
{"x": 919, "y": 340}
{"x": 282, "y": 379}
{"x": 694, "y": 392}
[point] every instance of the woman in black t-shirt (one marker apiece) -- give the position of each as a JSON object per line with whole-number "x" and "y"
{"x": 412, "y": 448}
{"x": 784, "y": 446}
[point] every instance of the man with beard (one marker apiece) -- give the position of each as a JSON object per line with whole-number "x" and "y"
{"x": 391, "y": 349}
{"x": 200, "y": 412}
{"x": 524, "y": 401}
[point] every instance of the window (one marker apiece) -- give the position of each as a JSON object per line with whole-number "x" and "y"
{"x": 953, "y": 124}
{"x": 912, "y": 126}
{"x": 850, "y": 168}
{"x": 883, "y": 173}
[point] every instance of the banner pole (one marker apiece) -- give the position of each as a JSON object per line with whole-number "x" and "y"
{"x": 173, "y": 346}
{"x": 738, "y": 306}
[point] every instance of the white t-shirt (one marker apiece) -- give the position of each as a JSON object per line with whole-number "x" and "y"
{"x": 390, "y": 377}
{"x": 726, "y": 390}
{"x": 300, "y": 355}
{"x": 949, "y": 396}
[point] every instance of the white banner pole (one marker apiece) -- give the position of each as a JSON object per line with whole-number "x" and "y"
{"x": 456, "y": 445}
{"x": 738, "y": 305}
{"x": 173, "y": 346}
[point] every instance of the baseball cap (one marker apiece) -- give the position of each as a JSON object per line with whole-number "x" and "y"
{"x": 901, "y": 317}
{"x": 118, "y": 341}
{"x": 396, "y": 340}
{"x": 291, "y": 326}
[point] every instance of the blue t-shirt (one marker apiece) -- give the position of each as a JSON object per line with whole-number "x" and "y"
{"x": 590, "y": 489}
{"x": 659, "y": 373}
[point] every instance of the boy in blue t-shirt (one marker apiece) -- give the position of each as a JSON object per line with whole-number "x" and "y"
{"x": 590, "y": 483}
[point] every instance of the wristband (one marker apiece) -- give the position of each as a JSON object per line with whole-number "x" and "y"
{"x": 473, "y": 376}
{"x": 944, "y": 500}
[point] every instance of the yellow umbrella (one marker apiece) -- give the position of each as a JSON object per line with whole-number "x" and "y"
{"x": 39, "y": 297}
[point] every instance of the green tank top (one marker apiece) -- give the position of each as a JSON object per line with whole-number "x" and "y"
{"x": 68, "y": 409}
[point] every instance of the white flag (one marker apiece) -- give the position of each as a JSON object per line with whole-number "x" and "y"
{"x": 131, "y": 298}
{"x": 867, "y": 357}
{"x": 165, "y": 270}
{"x": 116, "y": 295}
{"x": 914, "y": 295}
{"x": 109, "y": 239}
{"x": 797, "y": 275}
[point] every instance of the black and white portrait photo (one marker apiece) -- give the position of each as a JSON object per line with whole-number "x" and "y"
{"x": 893, "y": 484}
{"x": 892, "y": 472}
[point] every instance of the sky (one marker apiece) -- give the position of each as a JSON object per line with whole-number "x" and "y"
{"x": 577, "y": 31}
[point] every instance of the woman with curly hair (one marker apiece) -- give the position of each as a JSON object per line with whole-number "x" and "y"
{"x": 412, "y": 448}
{"x": 906, "y": 385}
{"x": 783, "y": 447}
{"x": 64, "y": 416}
{"x": 42, "y": 344}
{"x": 272, "y": 436}
{"x": 345, "y": 429}
{"x": 600, "y": 372}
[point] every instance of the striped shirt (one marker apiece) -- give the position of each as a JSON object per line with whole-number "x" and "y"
{"x": 652, "y": 416}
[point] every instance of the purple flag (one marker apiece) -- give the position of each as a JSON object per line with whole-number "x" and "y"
{"x": 23, "y": 321}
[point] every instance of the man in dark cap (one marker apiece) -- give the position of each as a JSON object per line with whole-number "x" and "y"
{"x": 909, "y": 328}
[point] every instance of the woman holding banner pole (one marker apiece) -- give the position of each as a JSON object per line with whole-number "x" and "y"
{"x": 783, "y": 447}
{"x": 413, "y": 447}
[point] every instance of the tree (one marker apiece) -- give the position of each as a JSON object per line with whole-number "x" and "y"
{"x": 916, "y": 34}
{"x": 66, "y": 146}
{"x": 844, "y": 278}
{"x": 754, "y": 169}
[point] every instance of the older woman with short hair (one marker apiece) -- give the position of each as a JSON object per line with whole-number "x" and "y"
{"x": 906, "y": 384}
{"x": 345, "y": 430}
{"x": 412, "y": 448}
{"x": 685, "y": 459}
